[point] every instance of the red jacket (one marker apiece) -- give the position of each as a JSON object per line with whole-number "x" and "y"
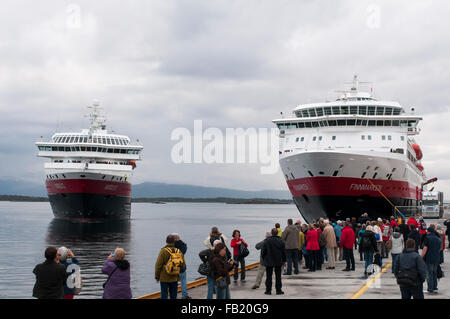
{"x": 312, "y": 240}
{"x": 347, "y": 237}
{"x": 412, "y": 221}
{"x": 236, "y": 246}
{"x": 393, "y": 224}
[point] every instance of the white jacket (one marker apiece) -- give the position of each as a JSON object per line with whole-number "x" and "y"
{"x": 397, "y": 244}
{"x": 378, "y": 231}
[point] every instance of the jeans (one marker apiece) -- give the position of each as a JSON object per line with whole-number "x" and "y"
{"x": 368, "y": 258}
{"x": 325, "y": 253}
{"x": 269, "y": 272}
{"x": 394, "y": 258}
{"x": 183, "y": 282}
{"x": 239, "y": 260}
{"x": 211, "y": 283}
{"x": 292, "y": 257}
{"x": 414, "y": 292}
{"x": 349, "y": 258}
{"x": 169, "y": 288}
{"x": 223, "y": 293}
{"x": 432, "y": 277}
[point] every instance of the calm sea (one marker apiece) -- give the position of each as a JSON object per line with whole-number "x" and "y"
{"x": 26, "y": 229}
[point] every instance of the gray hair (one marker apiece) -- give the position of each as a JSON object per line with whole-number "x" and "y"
{"x": 216, "y": 242}
{"x": 268, "y": 234}
{"x": 176, "y": 236}
{"x": 63, "y": 253}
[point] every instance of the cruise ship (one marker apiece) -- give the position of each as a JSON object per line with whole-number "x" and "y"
{"x": 351, "y": 156}
{"x": 88, "y": 177}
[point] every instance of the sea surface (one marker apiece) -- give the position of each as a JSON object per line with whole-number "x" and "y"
{"x": 26, "y": 229}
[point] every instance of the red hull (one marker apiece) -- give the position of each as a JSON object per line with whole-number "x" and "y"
{"x": 88, "y": 186}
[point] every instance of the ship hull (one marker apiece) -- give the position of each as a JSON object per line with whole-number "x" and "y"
{"x": 89, "y": 200}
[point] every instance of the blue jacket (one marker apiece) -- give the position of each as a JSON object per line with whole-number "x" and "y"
{"x": 66, "y": 263}
{"x": 433, "y": 244}
{"x": 338, "y": 231}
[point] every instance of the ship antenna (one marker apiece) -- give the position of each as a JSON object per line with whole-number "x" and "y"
{"x": 96, "y": 116}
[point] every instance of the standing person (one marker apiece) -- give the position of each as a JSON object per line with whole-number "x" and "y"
{"x": 412, "y": 221}
{"x": 261, "y": 267}
{"x": 168, "y": 279}
{"x": 422, "y": 230}
{"x": 431, "y": 255}
{"x": 379, "y": 237}
{"x": 291, "y": 239}
{"x": 368, "y": 247}
{"x": 397, "y": 245}
{"x": 117, "y": 268}
{"x": 440, "y": 231}
{"x": 358, "y": 235}
{"x": 278, "y": 227}
{"x": 330, "y": 237}
{"x": 447, "y": 231}
{"x": 214, "y": 235}
{"x": 312, "y": 246}
{"x": 414, "y": 235}
{"x": 386, "y": 235}
{"x": 50, "y": 276}
{"x": 221, "y": 266}
{"x": 182, "y": 246}
{"x": 206, "y": 257}
{"x": 410, "y": 271}
{"x": 63, "y": 254}
{"x": 274, "y": 256}
{"x": 393, "y": 223}
{"x": 347, "y": 240}
{"x": 236, "y": 243}
{"x": 301, "y": 243}
{"x": 404, "y": 230}
{"x": 338, "y": 231}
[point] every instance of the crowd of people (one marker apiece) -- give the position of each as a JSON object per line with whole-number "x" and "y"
{"x": 416, "y": 250}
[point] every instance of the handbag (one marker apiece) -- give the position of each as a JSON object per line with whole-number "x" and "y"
{"x": 439, "y": 272}
{"x": 243, "y": 251}
{"x": 389, "y": 244}
{"x": 104, "y": 284}
{"x": 203, "y": 269}
{"x": 221, "y": 282}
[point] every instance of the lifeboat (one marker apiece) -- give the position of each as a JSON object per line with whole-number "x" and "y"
{"x": 418, "y": 151}
{"x": 132, "y": 163}
{"x": 420, "y": 166}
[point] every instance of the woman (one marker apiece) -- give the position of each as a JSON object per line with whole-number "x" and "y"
{"x": 214, "y": 235}
{"x": 236, "y": 243}
{"x": 221, "y": 269}
{"x": 359, "y": 234}
{"x": 63, "y": 254}
{"x": 117, "y": 268}
{"x": 368, "y": 246}
{"x": 397, "y": 246}
{"x": 312, "y": 246}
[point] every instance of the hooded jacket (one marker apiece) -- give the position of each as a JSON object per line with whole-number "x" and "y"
{"x": 273, "y": 251}
{"x": 290, "y": 236}
{"x": 160, "y": 271}
{"x": 397, "y": 243}
{"x": 371, "y": 235}
{"x": 49, "y": 280}
{"x": 118, "y": 285}
{"x": 411, "y": 260}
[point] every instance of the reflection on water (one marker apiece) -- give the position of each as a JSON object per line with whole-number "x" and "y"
{"x": 91, "y": 243}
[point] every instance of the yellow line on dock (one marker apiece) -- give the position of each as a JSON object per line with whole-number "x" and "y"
{"x": 367, "y": 285}
{"x": 193, "y": 284}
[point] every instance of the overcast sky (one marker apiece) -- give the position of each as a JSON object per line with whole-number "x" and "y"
{"x": 159, "y": 65}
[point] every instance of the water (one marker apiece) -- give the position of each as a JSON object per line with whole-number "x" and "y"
{"x": 26, "y": 229}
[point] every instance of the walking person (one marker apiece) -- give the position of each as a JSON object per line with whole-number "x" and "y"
{"x": 447, "y": 231}
{"x": 221, "y": 266}
{"x": 386, "y": 235}
{"x": 414, "y": 235}
{"x": 261, "y": 267}
{"x": 182, "y": 246}
{"x": 117, "y": 268}
{"x": 431, "y": 255}
{"x": 206, "y": 257}
{"x": 238, "y": 258}
{"x": 291, "y": 238}
{"x": 410, "y": 271}
{"x": 312, "y": 246}
{"x": 397, "y": 245}
{"x": 369, "y": 247}
{"x": 422, "y": 227}
{"x": 358, "y": 235}
{"x": 274, "y": 256}
{"x": 330, "y": 238}
{"x": 338, "y": 230}
{"x": 50, "y": 277}
{"x": 64, "y": 253}
{"x": 347, "y": 240}
{"x": 165, "y": 275}
{"x": 404, "y": 230}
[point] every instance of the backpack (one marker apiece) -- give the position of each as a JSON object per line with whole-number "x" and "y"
{"x": 175, "y": 262}
{"x": 407, "y": 277}
{"x": 386, "y": 231}
{"x": 423, "y": 226}
{"x": 366, "y": 243}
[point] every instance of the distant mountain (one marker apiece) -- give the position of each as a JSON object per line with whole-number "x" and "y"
{"x": 152, "y": 190}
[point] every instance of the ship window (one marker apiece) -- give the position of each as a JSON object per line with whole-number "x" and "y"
{"x": 369, "y": 137}
{"x": 402, "y": 138}
{"x": 72, "y": 139}
{"x": 94, "y": 140}
{"x": 332, "y": 123}
{"x": 358, "y": 122}
{"x": 312, "y": 112}
{"x": 397, "y": 111}
{"x": 116, "y": 150}
{"x": 113, "y": 141}
{"x": 67, "y": 149}
{"x": 364, "y": 123}
{"x": 130, "y": 151}
{"x": 335, "y": 173}
{"x": 61, "y": 149}
{"x": 320, "y": 138}
{"x": 85, "y": 139}
{"x": 351, "y": 122}
{"x": 88, "y": 149}
{"x": 389, "y": 137}
{"x": 403, "y": 123}
{"x": 395, "y": 123}
{"x": 363, "y": 110}
{"x": 380, "y": 110}
{"x": 383, "y": 137}
{"x": 363, "y": 137}
{"x": 297, "y": 139}
{"x": 341, "y": 122}
{"x": 307, "y": 124}
{"x": 371, "y": 123}
{"x": 311, "y": 174}
{"x": 305, "y": 113}
{"x": 327, "y": 110}
{"x": 302, "y": 139}
{"x": 379, "y": 123}
{"x": 110, "y": 150}
{"x": 122, "y": 151}
{"x": 363, "y": 174}
{"x": 387, "y": 123}
{"x": 336, "y": 110}
{"x": 344, "y": 109}
{"x": 333, "y": 137}
{"x": 315, "y": 124}
{"x": 371, "y": 110}
{"x": 301, "y": 125}
{"x": 314, "y": 138}
{"x": 375, "y": 175}
{"x": 388, "y": 111}
{"x": 353, "y": 109}
{"x": 319, "y": 111}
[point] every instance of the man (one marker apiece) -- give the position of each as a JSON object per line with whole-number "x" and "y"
{"x": 181, "y": 245}
{"x": 404, "y": 230}
{"x": 261, "y": 267}
{"x": 338, "y": 231}
{"x": 50, "y": 276}
{"x": 291, "y": 239}
{"x": 330, "y": 237}
{"x": 409, "y": 264}
{"x": 447, "y": 231}
{"x": 414, "y": 235}
{"x": 431, "y": 255}
{"x": 168, "y": 282}
{"x": 274, "y": 256}
{"x": 347, "y": 240}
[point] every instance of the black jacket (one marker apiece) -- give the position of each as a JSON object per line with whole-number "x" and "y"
{"x": 273, "y": 252}
{"x": 206, "y": 257}
{"x": 411, "y": 260}
{"x": 181, "y": 245}
{"x": 373, "y": 247}
{"x": 50, "y": 277}
{"x": 416, "y": 236}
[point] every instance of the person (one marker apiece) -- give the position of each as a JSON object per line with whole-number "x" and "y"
{"x": 278, "y": 227}
{"x": 301, "y": 241}
{"x": 273, "y": 254}
{"x": 261, "y": 267}
{"x": 378, "y": 236}
{"x": 414, "y": 235}
{"x": 206, "y": 257}
{"x": 447, "y": 231}
{"x": 221, "y": 266}
{"x": 168, "y": 281}
{"x": 369, "y": 247}
{"x": 358, "y": 235}
{"x": 236, "y": 242}
{"x": 347, "y": 240}
{"x": 118, "y": 270}
{"x": 431, "y": 255}
{"x": 386, "y": 235}
{"x": 412, "y": 221}
{"x": 410, "y": 264}
{"x": 422, "y": 230}
{"x": 440, "y": 231}
{"x": 397, "y": 245}
{"x": 50, "y": 276}
{"x": 330, "y": 237}
{"x": 182, "y": 246}
{"x": 393, "y": 223}
{"x": 404, "y": 230}
{"x": 312, "y": 246}
{"x": 337, "y": 231}
{"x": 63, "y": 252}
{"x": 291, "y": 239}
{"x": 214, "y": 235}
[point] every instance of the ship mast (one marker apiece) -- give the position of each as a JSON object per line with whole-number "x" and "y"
{"x": 97, "y": 117}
